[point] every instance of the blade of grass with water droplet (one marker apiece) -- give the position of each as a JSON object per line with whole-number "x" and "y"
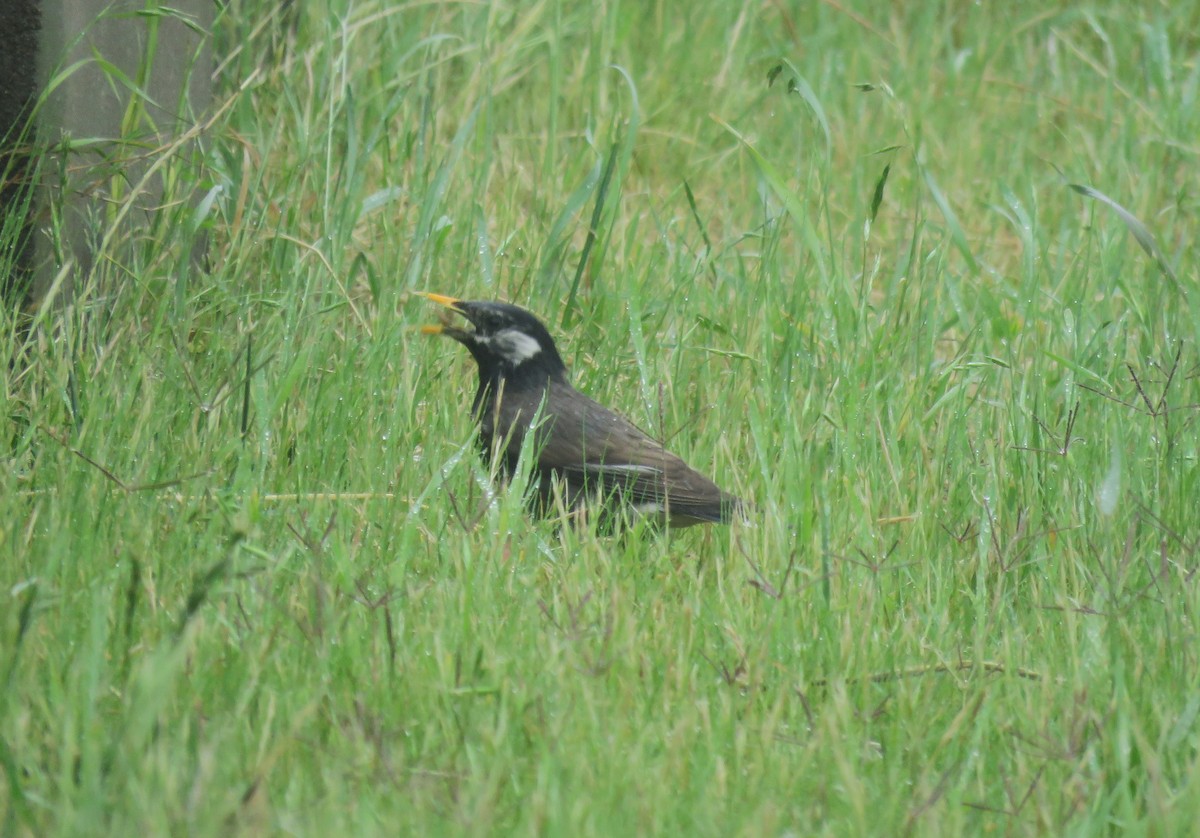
{"x": 1139, "y": 230}
{"x": 590, "y": 241}
{"x": 800, "y": 85}
{"x": 956, "y": 231}
{"x": 787, "y": 197}
{"x": 556, "y": 238}
{"x": 433, "y": 197}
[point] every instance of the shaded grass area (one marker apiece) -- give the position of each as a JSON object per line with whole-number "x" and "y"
{"x": 256, "y": 580}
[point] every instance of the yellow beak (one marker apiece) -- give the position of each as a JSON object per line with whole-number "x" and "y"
{"x": 441, "y": 299}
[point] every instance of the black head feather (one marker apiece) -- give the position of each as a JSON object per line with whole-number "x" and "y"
{"x": 508, "y": 343}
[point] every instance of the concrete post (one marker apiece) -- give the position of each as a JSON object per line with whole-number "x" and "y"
{"x": 19, "y": 24}
{"x": 121, "y": 81}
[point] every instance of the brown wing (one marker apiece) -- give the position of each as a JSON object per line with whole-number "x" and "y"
{"x": 617, "y": 456}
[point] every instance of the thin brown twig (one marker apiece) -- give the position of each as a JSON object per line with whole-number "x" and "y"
{"x": 989, "y": 667}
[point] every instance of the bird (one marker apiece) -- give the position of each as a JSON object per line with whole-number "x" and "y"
{"x": 585, "y": 452}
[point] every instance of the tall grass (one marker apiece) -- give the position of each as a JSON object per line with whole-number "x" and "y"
{"x": 257, "y": 580}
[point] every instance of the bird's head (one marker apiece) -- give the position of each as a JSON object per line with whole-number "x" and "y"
{"x": 506, "y": 340}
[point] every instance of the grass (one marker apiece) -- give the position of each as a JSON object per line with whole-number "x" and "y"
{"x": 256, "y": 581}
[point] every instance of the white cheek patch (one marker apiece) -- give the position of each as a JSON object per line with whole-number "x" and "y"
{"x": 515, "y": 347}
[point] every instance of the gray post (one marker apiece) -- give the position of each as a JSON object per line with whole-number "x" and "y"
{"x": 19, "y": 25}
{"x": 163, "y": 48}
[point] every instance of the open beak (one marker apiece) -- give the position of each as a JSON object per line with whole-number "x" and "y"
{"x": 445, "y": 327}
{"x": 441, "y": 299}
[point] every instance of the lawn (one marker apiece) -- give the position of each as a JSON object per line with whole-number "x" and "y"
{"x": 255, "y": 579}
